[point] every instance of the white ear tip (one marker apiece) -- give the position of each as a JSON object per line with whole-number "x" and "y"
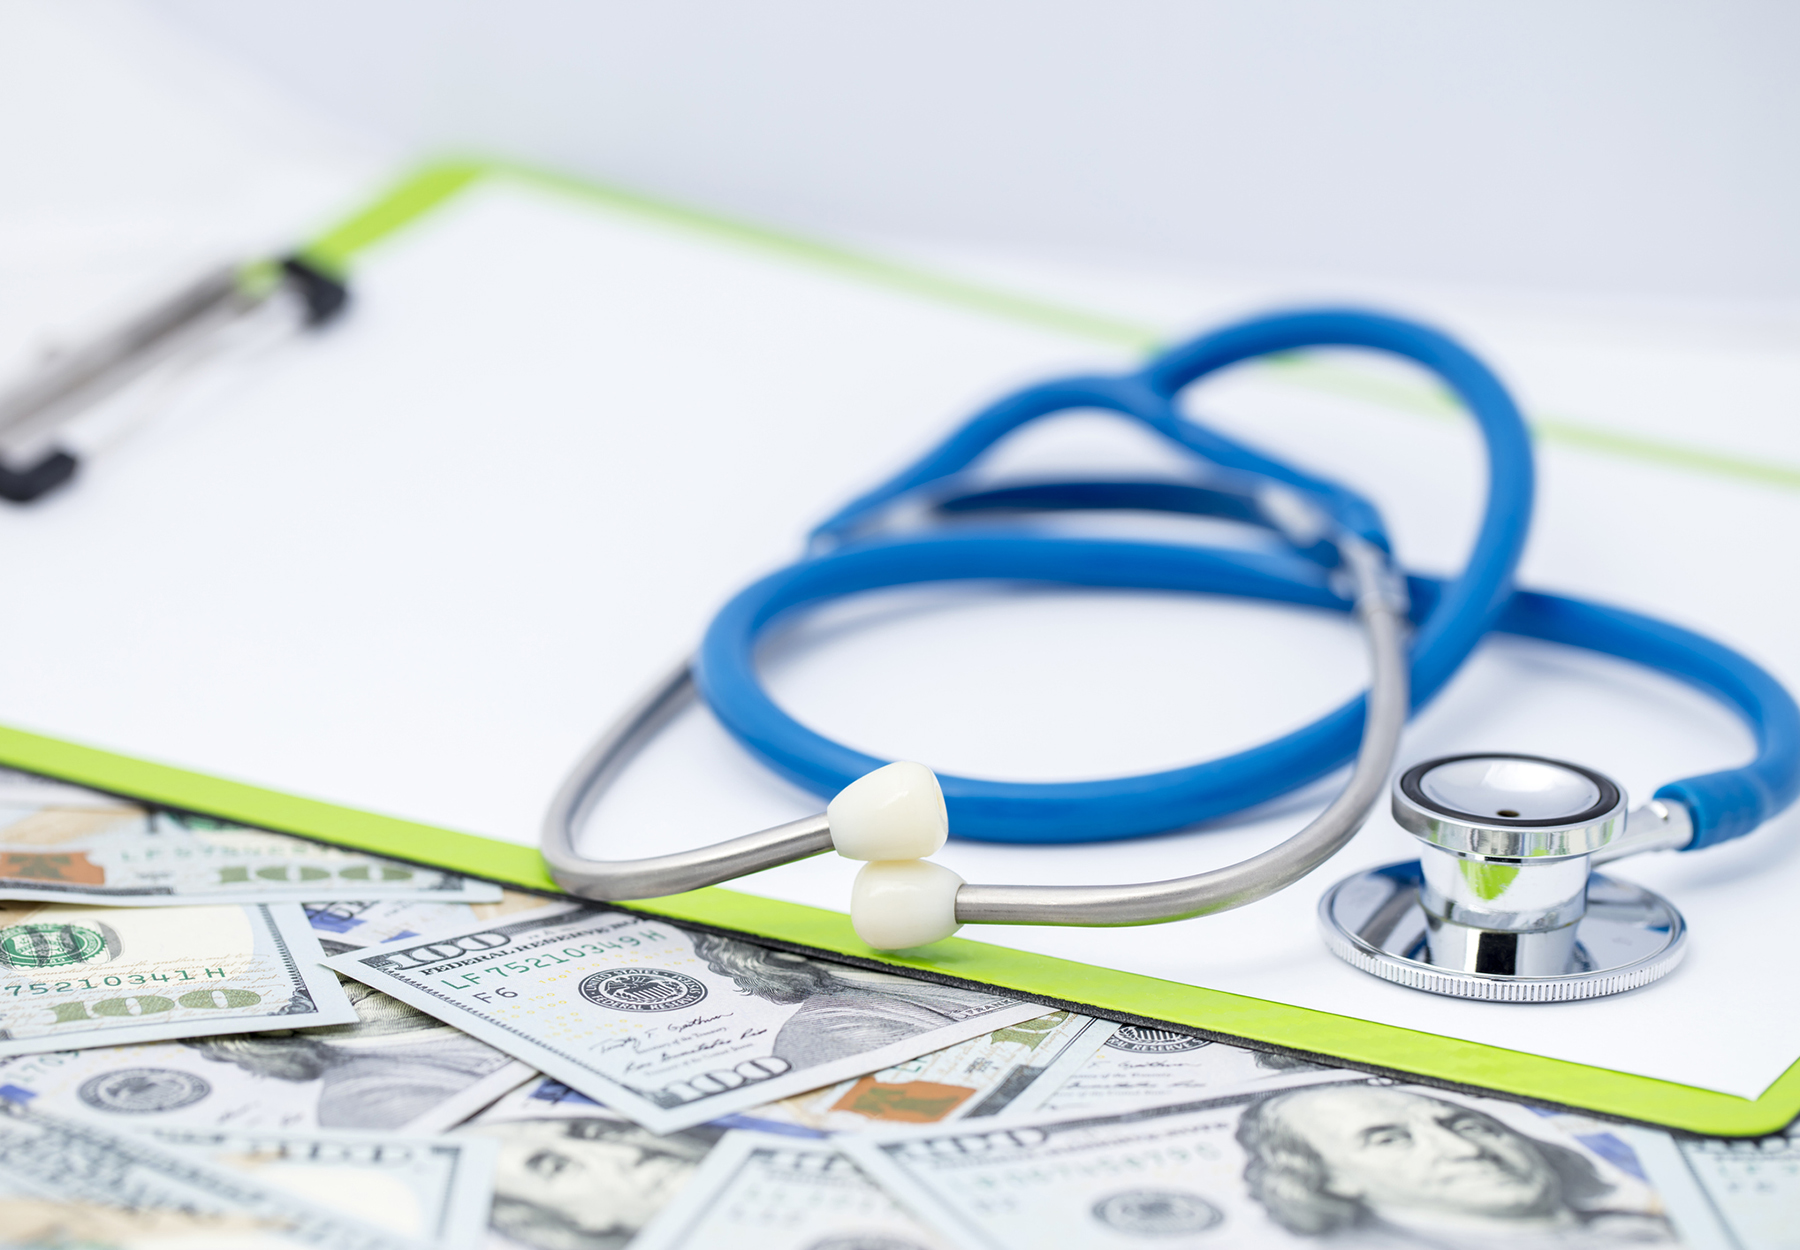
{"x": 895, "y": 812}
{"x": 896, "y": 904}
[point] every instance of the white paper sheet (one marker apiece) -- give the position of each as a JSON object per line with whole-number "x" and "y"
{"x": 414, "y": 566}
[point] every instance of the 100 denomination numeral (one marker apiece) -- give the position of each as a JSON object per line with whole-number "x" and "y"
{"x": 217, "y": 998}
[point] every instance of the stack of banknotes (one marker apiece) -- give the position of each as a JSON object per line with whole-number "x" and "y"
{"x": 213, "y": 1036}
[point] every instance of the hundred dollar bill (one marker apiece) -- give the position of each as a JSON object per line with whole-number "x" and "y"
{"x": 574, "y": 1176}
{"x": 983, "y": 1076}
{"x": 1652, "y": 1156}
{"x": 82, "y": 847}
{"x": 756, "y": 1192}
{"x": 667, "y": 1027}
{"x": 434, "y": 1190}
{"x": 1746, "y": 1190}
{"x": 75, "y": 977}
{"x": 1753, "y": 1184}
{"x": 1314, "y": 1160}
{"x": 980, "y": 1077}
{"x": 546, "y": 1098}
{"x": 1116, "y": 1066}
{"x": 66, "y": 1183}
{"x": 394, "y": 1070}
{"x": 541, "y": 1098}
{"x": 349, "y": 925}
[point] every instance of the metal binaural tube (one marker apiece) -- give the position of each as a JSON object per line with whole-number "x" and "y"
{"x": 1380, "y": 605}
{"x": 1383, "y": 619}
{"x": 653, "y": 877}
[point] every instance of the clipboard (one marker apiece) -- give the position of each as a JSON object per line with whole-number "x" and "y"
{"x": 1059, "y": 982}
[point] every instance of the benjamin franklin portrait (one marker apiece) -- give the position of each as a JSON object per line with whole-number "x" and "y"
{"x": 586, "y": 1183}
{"x": 1363, "y": 1165}
{"x": 383, "y": 1072}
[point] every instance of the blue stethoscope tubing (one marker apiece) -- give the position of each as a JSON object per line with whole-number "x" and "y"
{"x": 1450, "y": 616}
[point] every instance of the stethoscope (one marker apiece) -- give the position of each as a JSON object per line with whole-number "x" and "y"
{"x": 1502, "y": 902}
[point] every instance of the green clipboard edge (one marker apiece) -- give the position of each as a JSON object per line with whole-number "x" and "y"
{"x": 1230, "y": 1017}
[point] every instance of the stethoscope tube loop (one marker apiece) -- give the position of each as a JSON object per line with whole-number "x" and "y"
{"x": 997, "y": 811}
{"x": 1464, "y": 611}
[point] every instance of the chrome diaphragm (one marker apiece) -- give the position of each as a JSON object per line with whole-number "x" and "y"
{"x": 1502, "y": 903}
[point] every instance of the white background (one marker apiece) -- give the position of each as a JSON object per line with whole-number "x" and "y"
{"x": 1617, "y": 146}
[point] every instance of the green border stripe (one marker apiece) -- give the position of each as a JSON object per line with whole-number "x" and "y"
{"x": 430, "y": 185}
{"x": 1671, "y": 455}
{"x": 426, "y": 188}
{"x": 1333, "y": 379}
{"x": 891, "y": 274}
{"x": 1356, "y": 1041}
{"x": 399, "y": 206}
{"x": 269, "y": 809}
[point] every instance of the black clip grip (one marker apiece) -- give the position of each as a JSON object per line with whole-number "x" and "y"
{"x": 25, "y": 485}
{"x": 324, "y": 296}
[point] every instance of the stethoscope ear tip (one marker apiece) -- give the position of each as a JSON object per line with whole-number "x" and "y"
{"x": 895, "y": 812}
{"x": 897, "y": 904}
{"x": 894, "y": 817}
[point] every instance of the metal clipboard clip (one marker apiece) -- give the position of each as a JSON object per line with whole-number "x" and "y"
{"x": 73, "y": 381}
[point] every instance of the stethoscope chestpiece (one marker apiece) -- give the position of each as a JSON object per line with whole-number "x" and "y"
{"x": 1509, "y": 806}
{"x": 1502, "y": 903}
